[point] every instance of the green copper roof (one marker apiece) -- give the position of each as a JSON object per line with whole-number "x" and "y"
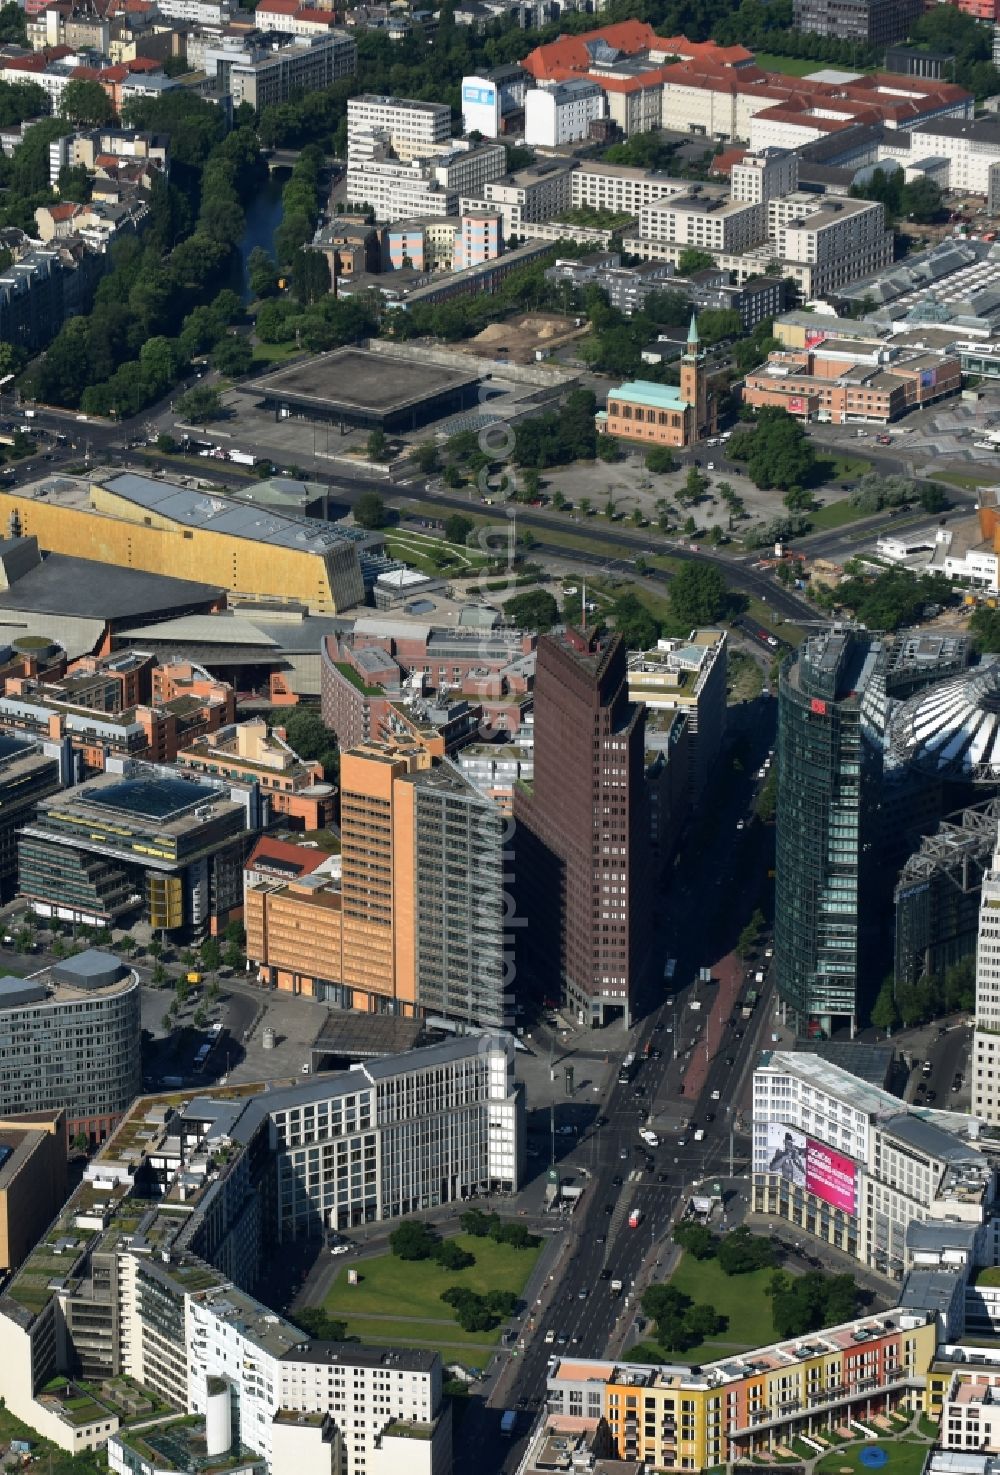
{"x": 693, "y": 330}
{"x": 656, "y": 396}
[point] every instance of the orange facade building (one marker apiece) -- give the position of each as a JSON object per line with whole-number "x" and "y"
{"x": 844, "y": 382}
{"x": 664, "y": 414}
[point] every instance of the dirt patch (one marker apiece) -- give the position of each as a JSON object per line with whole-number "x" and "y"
{"x": 517, "y": 340}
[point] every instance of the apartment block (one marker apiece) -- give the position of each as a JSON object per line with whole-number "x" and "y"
{"x": 562, "y": 112}
{"x": 970, "y": 1416}
{"x": 479, "y": 238}
{"x": 712, "y": 225}
{"x": 432, "y": 185}
{"x": 308, "y": 65}
{"x": 621, "y": 188}
{"x": 540, "y": 192}
{"x": 415, "y": 130}
{"x": 33, "y": 1180}
{"x": 675, "y": 1417}
{"x": 854, "y": 1166}
{"x": 250, "y": 752}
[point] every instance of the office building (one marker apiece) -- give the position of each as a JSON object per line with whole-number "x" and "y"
{"x": 253, "y": 753}
{"x": 664, "y": 414}
{"x": 871, "y": 22}
{"x": 621, "y": 188}
{"x": 152, "y": 525}
{"x": 70, "y": 1039}
{"x": 854, "y": 1166}
{"x": 746, "y": 1405}
{"x": 415, "y": 130}
{"x": 306, "y": 65}
{"x": 493, "y": 103}
{"x": 829, "y": 771}
{"x": 843, "y": 383}
{"x": 538, "y": 193}
{"x": 411, "y": 919}
{"x": 687, "y": 676}
{"x": 582, "y": 833}
{"x": 27, "y": 775}
{"x": 432, "y": 185}
{"x": 142, "y": 843}
{"x": 561, "y": 112}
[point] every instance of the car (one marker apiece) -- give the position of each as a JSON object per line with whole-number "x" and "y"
{"x": 716, "y": 1095}
{"x": 582, "y": 1294}
{"x": 550, "y": 1337}
{"x": 605, "y": 1274}
{"x": 663, "y": 1177}
{"x": 600, "y": 1239}
{"x": 710, "y": 1116}
{"x": 730, "y": 1060}
{"x": 340, "y": 1249}
{"x": 931, "y": 1096}
{"x": 609, "y": 1208}
{"x": 600, "y": 1121}
{"x": 709, "y": 465}
{"x": 657, "y": 1027}
{"x": 741, "y": 824}
{"x": 623, "y": 1154}
{"x": 562, "y": 1339}
{"x": 617, "y": 1180}
{"x": 682, "y": 1142}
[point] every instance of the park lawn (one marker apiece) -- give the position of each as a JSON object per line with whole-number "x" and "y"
{"x": 988, "y": 476}
{"x": 393, "y": 1287}
{"x": 833, "y": 515}
{"x": 839, "y": 468}
{"x": 274, "y": 353}
{"x": 791, "y": 66}
{"x": 905, "y": 1458}
{"x": 741, "y": 1298}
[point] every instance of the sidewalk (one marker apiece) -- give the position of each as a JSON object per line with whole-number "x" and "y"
{"x": 728, "y": 976}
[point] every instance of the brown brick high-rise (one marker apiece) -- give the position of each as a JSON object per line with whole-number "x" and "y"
{"x": 581, "y": 830}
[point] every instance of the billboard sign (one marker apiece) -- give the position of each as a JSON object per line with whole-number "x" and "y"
{"x": 808, "y": 1163}
{"x": 480, "y": 107}
{"x": 786, "y": 1153}
{"x": 796, "y": 405}
{"x": 831, "y": 1176}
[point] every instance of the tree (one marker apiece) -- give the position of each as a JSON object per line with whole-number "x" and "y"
{"x": 694, "y": 485}
{"x": 413, "y": 1240}
{"x": 166, "y": 443}
{"x": 308, "y": 734}
{"x": 86, "y": 102}
{"x": 457, "y": 528}
{"x": 211, "y": 954}
{"x": 660, "y": 460}
{"x": 984, "y": 627}
{"x": 534, "y": 610}
{"x": 610, "y": 510}
{"x": 607, "y": 448}
{"x": 585, "y": 506}
{"x": 692, "y": 260}
{"x": 200, "y": 404}
{"x": 715, "y": 324}
{"x": 369, "y": 511}
{"x": 884, "y": 1013}
{"x": 778, "y": 452}
{"x": 233, "y": 356}
{"x": 155, "y": 948}
{"x": 451, "y": 1256}
{"x": 698, "y": 595}
{"x": 377, "y": 445}
{"x": 932, "y": 498}
{"x": 81, "y": 1142}
{"x": 316, "y": 1322}
{"x": 740, "y": 1252}
{"x": 262, "y": 274}
{"x": 920, "y": 199}
{"x": 634, "y": 623}
{"x": 426, "y": 457}
{"x": 475, "y": 1222}
{"x": 698, "y": 1241}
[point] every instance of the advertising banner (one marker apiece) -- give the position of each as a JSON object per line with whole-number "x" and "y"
{"x": 831, "y": 1176}
{"x": 786, "y": 1153}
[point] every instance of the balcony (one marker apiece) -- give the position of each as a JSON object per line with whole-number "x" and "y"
{"x": 830, "y": 1398}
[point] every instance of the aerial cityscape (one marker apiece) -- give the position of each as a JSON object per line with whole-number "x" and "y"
{"x": 500, "y": 737}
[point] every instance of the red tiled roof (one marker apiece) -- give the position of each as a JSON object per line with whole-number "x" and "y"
{"x": 65, "y": 211}
{"x": 144, "y": 64}
{"x": 303, "y": 858}
{"x": 570, "y": 54}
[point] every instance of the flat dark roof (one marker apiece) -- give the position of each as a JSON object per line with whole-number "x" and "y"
{"x": 104, "y": 591}
{"x": 354, "y": 379}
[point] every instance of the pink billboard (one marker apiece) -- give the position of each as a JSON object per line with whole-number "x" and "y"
{"x": 831, "y": 1176}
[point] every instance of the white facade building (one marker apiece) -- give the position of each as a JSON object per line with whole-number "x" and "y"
{"x": 986, "y": 1039}
{"x": 854, "y": 1165}
{"x": 620, "y": 187}
{"x": 401, "y": 190}
{"x": 415, "y": 130}
{"x": 562, "y": 112}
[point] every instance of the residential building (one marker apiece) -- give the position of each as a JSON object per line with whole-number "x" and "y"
{"x": 664, "y": 414}
{"x": 427, "y": 1127}
{"x": 431, "y": 185}
{"x": 539, "y": 193}
{"x": 828, "y": 770}
{"x": 33, "y": 1179}
{"x": 853, "y": 1165}
{"x": 711, "y": 225}
{"x": 292, "y": 18}
{"x": 627, "y": 286}
{"x": 582, "y": 836}
{"x": 416, "y": 130}
{"x": 672, "y": 1416}
{"x": 479, "y": 239}
{"x": 71, "y": 1044}
{"x": 561, "y": 112}
{"x": 620, "y": 188}
{"x": 986, "y": 1039}
{"x": 290, "y": 786}
{"x": 306, "y": 65}
{"x": 410, "y": 921}
{"x": 970, "y": 1418}
{"x": 872, "y": 22}
{"x": 152, "y": 525}
{"x": 141, "y": 843}
{"x": 689, "y": 676}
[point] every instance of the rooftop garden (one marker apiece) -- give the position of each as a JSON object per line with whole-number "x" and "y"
{"x": 349, "y": 674}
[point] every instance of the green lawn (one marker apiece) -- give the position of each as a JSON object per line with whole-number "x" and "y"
{"x": 391, "y": 1289}
{"x": 796, "y": 66}
{"x": 275, "y": 353}
{"x": 833, "y": 515}
{"x": 988, "y": 476}
{"x": 905, "y": 1458}
{"x": 741, "y": 1298}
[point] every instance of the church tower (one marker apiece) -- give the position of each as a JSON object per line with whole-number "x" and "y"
{"x": 694, "y": 386}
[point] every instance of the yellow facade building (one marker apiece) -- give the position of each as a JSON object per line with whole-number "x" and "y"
{"x": 161, "y": 528}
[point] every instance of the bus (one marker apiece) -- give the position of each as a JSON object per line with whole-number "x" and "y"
{"x": 627, "y": 1069}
